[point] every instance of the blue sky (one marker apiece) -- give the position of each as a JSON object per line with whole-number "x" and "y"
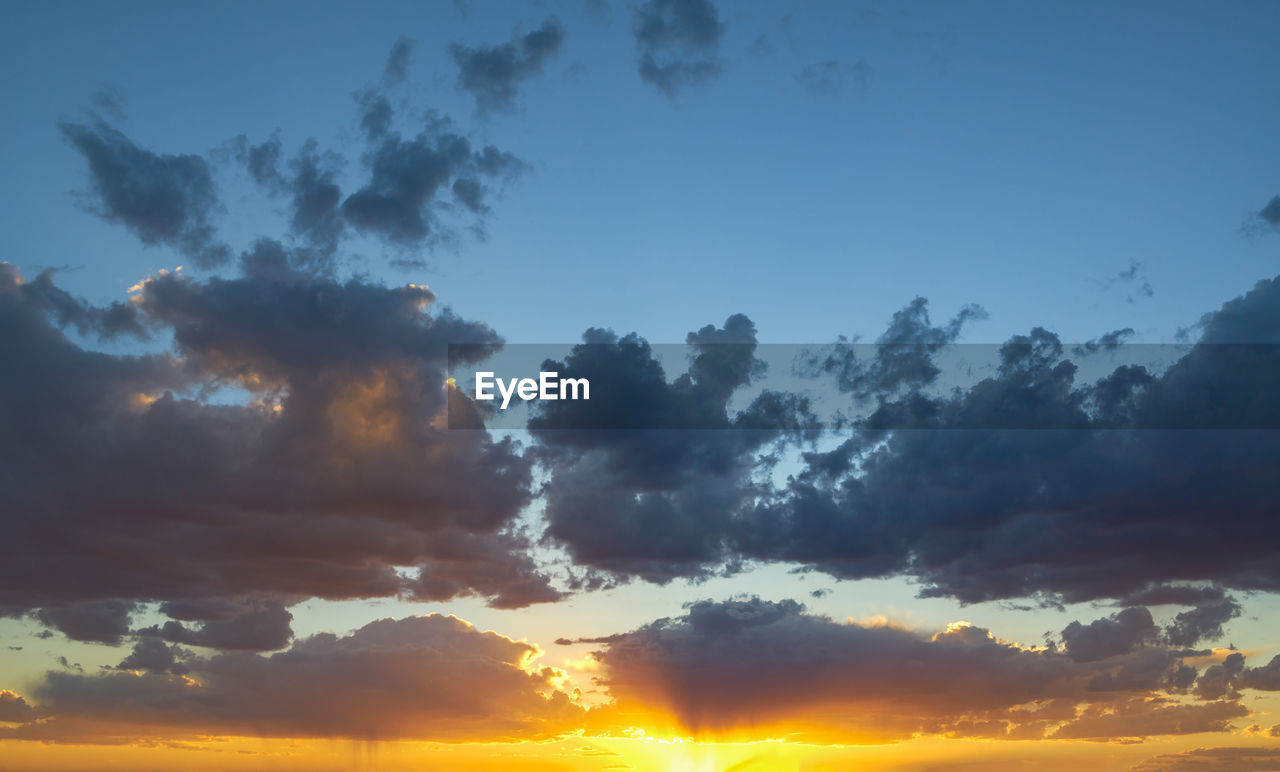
{"x": 1017, "y": 156}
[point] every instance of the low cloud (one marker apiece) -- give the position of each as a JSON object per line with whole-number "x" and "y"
{"x": 425, "y": 678}
{"x": 749, "y": 668}
{"x": 1213, "y": 760}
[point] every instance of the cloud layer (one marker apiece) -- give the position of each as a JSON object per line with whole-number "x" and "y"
{"x": 431, "y": 677}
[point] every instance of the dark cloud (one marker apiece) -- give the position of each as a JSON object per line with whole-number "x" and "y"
{"x": 123, "y": 481}
{"x": 262, "y": 161}
{"x": 677, "y": 42}
{"x": 1135, "y": 278}
{"x": 69, "y": 311}
{"x": 162, "y": 199}
{"x": 1029, "y": 483}
{"x": 249, "y": 625}
{"x": 903, "y": 354}
{"x": 397, "y": 67}
{"x": 747, "y": 668}
{"x": 316, "y": 198}
{"x": 1225, "y": 680}
{"x": 1123, "y": 632}
{"x": 655, "y": 503}
{"x": 1265, "y": 678}
{"x": 1065, "y": 511}
{"x": 100, "y": 621}
{"x": 14, "y": 708}
{"x": 1270, "y": 213}
{"x": 414, "y": 186}
{"x": 1173, "y": 594}
{"x": 493, "y": 73}
{"x": 155, "y": 656}
{"x": 1203, "y": 622}
{"x": 408, "y": 176}
{"x": 310, "y": 180}
{"x": 1265, "y": 220}
{"x": 430, "y": 678}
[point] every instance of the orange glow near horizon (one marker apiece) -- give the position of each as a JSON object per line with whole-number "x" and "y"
{"x": 593, "y": 754}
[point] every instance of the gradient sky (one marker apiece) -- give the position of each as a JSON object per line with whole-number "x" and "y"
{"x": 226, "y": 477}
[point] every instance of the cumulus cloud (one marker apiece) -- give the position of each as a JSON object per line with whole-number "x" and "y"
{"x": 1107, "y": 637}
{"x": 677, "y": 42}
{"x": 747, "y": 667}
{"x": 163, "y": 199}
{"x": 329, "y": 481}
{"x": 155, "y": 656}
{"x": 1059, "y": 508}
{"x": 429, "y": 678}
{"x": 1078, "y": 501}
{"x": 493, "y": 73}
{"x": 1204, "y": 622}
{"x": 14, "y": 708}
{"x": 99, "y": 621}
{"x": 251, "y": 624}
{"x": 655, "y": 503}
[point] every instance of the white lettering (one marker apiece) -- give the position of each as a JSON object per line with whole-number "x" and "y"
{"x": 507, "y": 390}
{"x": 549, "y": 386}
{"x": 573, "y": 384}
{"x": 483, "y": 380}
{"x": 546, "y": 382}
{"x": 528, "y": 388}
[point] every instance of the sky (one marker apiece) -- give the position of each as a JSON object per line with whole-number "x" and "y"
{"x": 249, "y": 525}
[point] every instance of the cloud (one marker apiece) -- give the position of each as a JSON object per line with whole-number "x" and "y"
{"x": 1076, "y": 501}
{"x": 1120, "y": 634}
{"x": 14, "y": 708}
{"x": 428, "y": 678}
{"x": 492, "y": 73}
{"x": 155, "y": 656}
{"x": 1231, "y": 675}
{"x": 408, "y": 176}
{"x": 413, "y": 186}
{"x": 116, "y": 320}
{"x": 829, "y": 77}
{"x": 1136, "y": 278}
{"x": 751, "y": 668}
{"x": 397, "y": 67}
{"x": 324, "y": 475}
{"x": 655, "y": 503}
{"x": 1057, "y": 509}
{"x": 99, "y": 621}
{"x": 1265, "y": 220}
{"x": 677, "y": 42}
{"x": 163, "y": 199}
{"x": 252, "y": 624}
{"x": 1213, "y": 760}
{"x": 1270, "y": 213}
{"x": 1204, "y": 622}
